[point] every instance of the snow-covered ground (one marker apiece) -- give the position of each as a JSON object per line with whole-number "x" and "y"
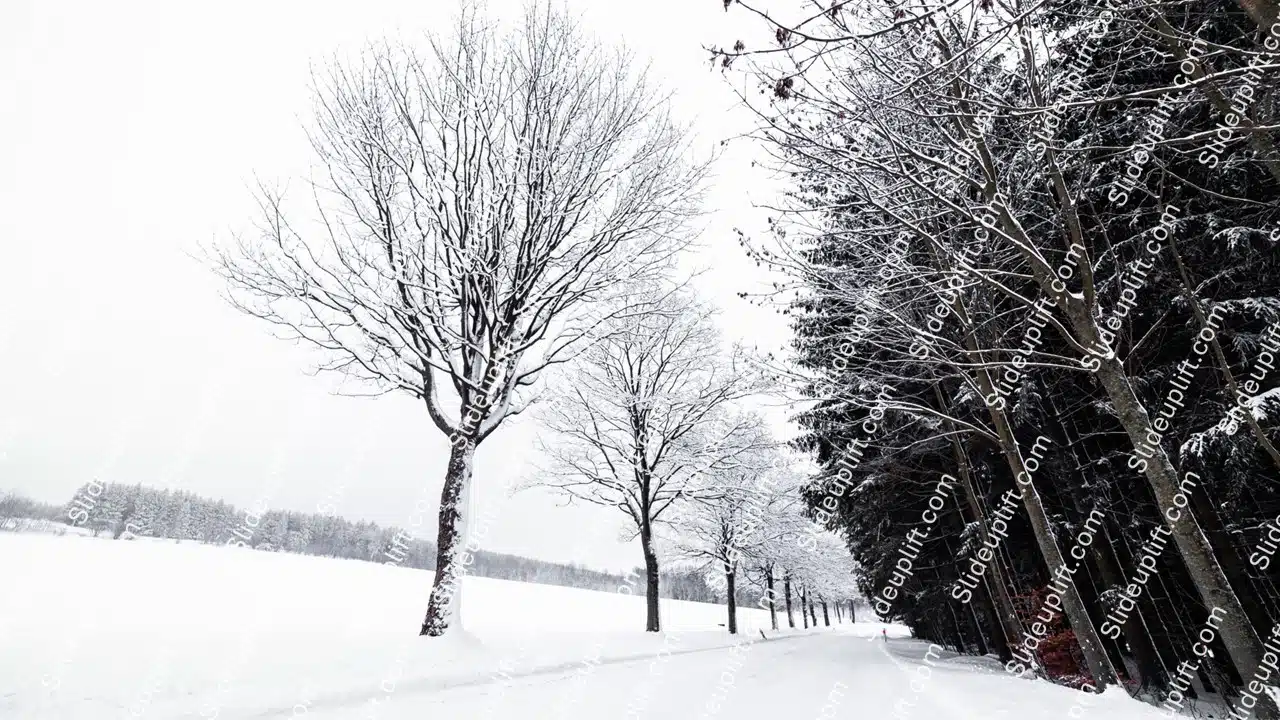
{"x": 92, "y": 629}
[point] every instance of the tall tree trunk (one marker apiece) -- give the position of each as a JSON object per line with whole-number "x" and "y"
{"x": 451, "y": 538}
{"x": 1147, "y": 612}
{"x": 998, "y": 640}
{"x": 732, "y": 590}
{"x": 1099, "y": 665}
{"x": 804, "y": 610}
{"x": 813, "y": 611}
{"x": 983, "y": 593}
{"x": 1095, "y": 654}
{"x": 1237, "y": 634}
{"x": 977, "y": 624}
{"x": 1101, "y": 552}
{"x": 652, "y": 622}
{"x": 957, "y": 630}
{"x": 786, "y": 586}
{"x": 1002, "y": 614}
{"x": 1134, "y": 631}
{"x": 852, "y": 618}
{"x": 1219, "y": 537}
{"x": 773, "y": 599}
{"x": 839, "y": 612}
{"x": 826, "y": 618}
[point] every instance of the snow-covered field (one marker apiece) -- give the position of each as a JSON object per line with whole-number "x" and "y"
{"x": 92, "y": 629}
{"x": 91, "y": 625}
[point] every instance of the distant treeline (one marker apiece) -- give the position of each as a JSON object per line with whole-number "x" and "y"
{"x": 123, "y": 511}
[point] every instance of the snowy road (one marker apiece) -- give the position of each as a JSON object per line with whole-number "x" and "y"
{"x": 831, "y": 674}
{"x": 784, "y": 677}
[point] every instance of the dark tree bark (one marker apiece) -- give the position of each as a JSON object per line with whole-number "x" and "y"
{"x": 1210, "y": 580}
{"x": 826, "y": 617}
{"x": 1233, "y": 566}
{"x": 804, "y": 610}
{"x": 1099, "y": 664}
{"x": 957, "y": 630}
{"x": 1146, "y": 611}
{"x": 1135, "y": 634}
{"x": 652, "y": 622}
{"x": 977, "y": 626}
{"x": 996, "y": 640}
{"x": 773, "y": 599}
{"x": 449, "y": 545}
{"x": 730, "y": 580}
{"x": 1077, "y": 615}
{"x": 1000, "y": 606}
{"x": 786, "y": 586}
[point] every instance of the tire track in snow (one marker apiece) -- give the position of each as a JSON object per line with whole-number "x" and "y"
{"x": 350, "y": 698}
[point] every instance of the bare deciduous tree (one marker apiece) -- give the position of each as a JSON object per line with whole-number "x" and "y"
{"x": 477, "y": 203}
{"x": 645, "y": 416}
{"x": 773, "y": 552}
{"x": 735, "y": 529}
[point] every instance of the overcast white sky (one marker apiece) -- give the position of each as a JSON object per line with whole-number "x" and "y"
{"x": 129, "y": 133}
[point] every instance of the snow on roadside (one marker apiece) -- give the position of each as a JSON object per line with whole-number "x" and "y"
{"x": 95, "y": 628}
{"x": 970, "y": 688}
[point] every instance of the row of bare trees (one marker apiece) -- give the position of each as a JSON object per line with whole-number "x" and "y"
{"x": 654, "y": 425}
{"x": 646, "y": 421}
{"x": 488, "y": 207}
